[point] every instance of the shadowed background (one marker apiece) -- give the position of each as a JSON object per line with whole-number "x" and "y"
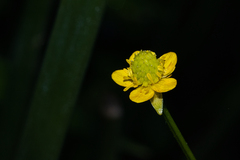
{"x": 103, "y": 123}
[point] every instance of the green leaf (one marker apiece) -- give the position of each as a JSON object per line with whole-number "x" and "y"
{"x": 62, "y": 72}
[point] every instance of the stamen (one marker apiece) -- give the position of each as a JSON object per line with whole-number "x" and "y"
{"x": 135, "y": 82}
{"x": 159, "y": 74}
{"x": 129, "y": 72}
{"x": 160, "y": 68}
{"x": 150, "y": 77}
{"x": 126, "y": 78}
{"x": 125, "y": 89}
{"x": 128, "y": 61}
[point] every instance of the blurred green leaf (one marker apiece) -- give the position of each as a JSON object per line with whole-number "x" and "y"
{"x": 60, "y": 78}
{"x": 26, "y": 49}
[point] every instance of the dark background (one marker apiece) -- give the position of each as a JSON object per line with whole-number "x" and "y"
{"x": 205, "y": 105}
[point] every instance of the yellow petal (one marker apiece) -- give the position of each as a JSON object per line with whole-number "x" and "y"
{"x": 170, "y": 59}
{"x": 118, "y": 77}
{"x": 164, "y": 85}
{"x": 132, "y": 57}
{"x": 157, "y": 102}
{"x": 141, "y": 94}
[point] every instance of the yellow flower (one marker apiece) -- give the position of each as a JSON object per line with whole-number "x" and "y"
{"x": 149, "y": 75}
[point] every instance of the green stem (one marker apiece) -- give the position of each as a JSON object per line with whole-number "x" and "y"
{"x": 177, "y": 134}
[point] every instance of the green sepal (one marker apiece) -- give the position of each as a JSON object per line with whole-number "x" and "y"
{"x": 157, "y": 103}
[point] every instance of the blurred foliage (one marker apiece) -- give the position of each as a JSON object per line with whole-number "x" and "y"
{"x": 105, "y": 124}
{"x": 25, "y": 33}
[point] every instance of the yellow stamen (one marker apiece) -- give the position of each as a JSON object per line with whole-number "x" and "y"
{"x": 159, "y": 74}
{"x": 150, "y": 77}
{"x": 127, "y": 88}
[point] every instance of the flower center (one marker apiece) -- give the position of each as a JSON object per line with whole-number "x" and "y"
{"x": 145, "y": 68}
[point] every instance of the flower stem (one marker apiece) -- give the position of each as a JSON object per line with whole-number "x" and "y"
{"x": 177, "y": 134}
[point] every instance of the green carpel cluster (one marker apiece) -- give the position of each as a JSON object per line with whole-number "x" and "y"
{"x": 145, "y": 63}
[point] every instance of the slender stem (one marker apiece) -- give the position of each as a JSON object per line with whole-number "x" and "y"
{"x": 177, "y": 134}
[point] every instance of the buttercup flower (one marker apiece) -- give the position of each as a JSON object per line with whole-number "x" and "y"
{"x": 149, "y": 75}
